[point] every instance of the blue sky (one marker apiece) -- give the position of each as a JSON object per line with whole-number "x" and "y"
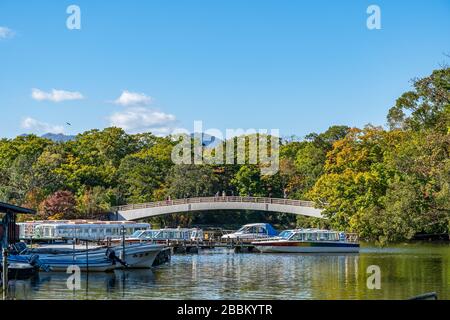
{"x": 298, "y": 66}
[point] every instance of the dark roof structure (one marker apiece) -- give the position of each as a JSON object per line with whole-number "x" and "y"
{"x": 9, "y": 208}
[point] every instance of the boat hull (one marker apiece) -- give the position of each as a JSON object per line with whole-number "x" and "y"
{"x": 21, "y": 271}
{"x": 94, "y": 266}
{"x": 306, "y": 247}
{"x": 61, "y": 264}
{"x": 141, "y": 259}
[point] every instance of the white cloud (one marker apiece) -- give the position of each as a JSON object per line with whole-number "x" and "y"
{"x": 128, "y": 99}
{"x": 35, "y": 126}
{"x": 140, "y": 119}
{"x": 55, "y": 95}
{"x": 6, "y": 33}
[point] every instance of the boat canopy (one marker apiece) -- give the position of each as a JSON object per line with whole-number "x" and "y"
{"x": 270, "y": 230}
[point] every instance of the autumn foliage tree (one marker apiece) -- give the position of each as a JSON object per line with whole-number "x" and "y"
{"x": 60, "y": 205}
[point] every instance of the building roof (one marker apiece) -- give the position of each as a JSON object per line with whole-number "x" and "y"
{"x": 9, "y": 208}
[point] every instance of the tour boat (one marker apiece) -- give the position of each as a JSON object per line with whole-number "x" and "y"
{"x": 251, "y": 232}
{"x": 308, "y": 241}
{"x": 91, "y": 230}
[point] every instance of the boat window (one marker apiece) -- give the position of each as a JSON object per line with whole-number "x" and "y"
{"x": 298, "y": 237}
{"x": 309, "y": 236}
{"x": 147, "y": 235}
{"x": 243, "y": 229}
{"x": 136, "y": 234}
{"x": 323, "y": 236}
{"x": 295, "y": 236}
{"x": 285, "y": 234}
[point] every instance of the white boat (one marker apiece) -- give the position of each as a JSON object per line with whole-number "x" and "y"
{"x": 139, "y": 255}
{"x": 309, "y": 241}
{"x": 251, "y": 232}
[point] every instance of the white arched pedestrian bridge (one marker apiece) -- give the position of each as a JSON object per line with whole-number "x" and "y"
{"x": 154, "y": 209}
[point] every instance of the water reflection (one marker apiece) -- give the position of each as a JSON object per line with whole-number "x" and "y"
{"x": 407, "y": 270}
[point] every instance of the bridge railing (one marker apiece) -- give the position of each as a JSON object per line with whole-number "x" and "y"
{"x": 235, "y": 199}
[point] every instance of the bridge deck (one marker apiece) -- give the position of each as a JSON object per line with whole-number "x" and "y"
{"x": 143, "y": 210}
{"x": 232, "y": 199}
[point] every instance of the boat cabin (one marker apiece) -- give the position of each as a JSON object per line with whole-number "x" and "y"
{"x": 169, "y": 234}
{"x": 80, "y": 229}
{"x": 314, "y": 235}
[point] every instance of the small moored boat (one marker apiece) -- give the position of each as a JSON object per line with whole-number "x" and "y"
{"x": 309, "y": 241}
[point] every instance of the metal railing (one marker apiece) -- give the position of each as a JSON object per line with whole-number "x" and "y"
{"x": 229, "y": 199}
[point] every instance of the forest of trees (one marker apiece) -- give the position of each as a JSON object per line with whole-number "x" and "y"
{"x": 386, "y": 184}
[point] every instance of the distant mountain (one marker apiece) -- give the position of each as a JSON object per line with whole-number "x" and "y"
{"x": 58, "y": 137}
{"x": 208, "y": 140}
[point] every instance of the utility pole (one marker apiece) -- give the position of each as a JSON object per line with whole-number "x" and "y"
{"x": 123, "y": 231}
{"x": 5, "y": 273}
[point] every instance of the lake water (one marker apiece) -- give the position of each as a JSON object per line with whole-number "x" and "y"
{"x": 406, "y": 271}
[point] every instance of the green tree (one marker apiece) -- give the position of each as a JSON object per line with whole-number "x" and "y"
{"x": 94, "y": 201}
{"x": 187, "y": 181}
{"x": 425, "y": 107}
{"x": 248, "y": 182}
{"x": 355, "y": 178}
{"x": 17, "y": 176}
{"x": 142, "y": 174}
